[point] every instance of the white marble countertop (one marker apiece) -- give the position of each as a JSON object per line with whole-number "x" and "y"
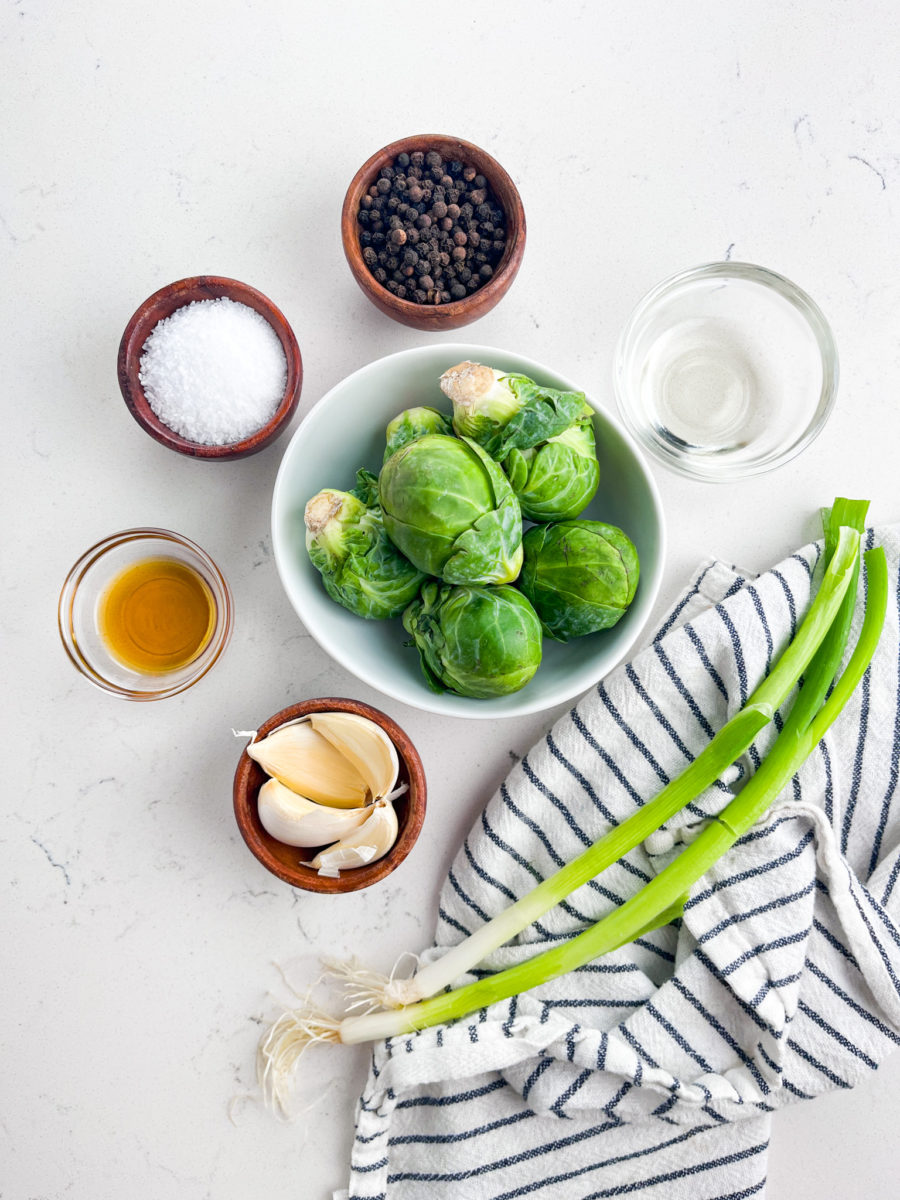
{"x": 147, "y": 143}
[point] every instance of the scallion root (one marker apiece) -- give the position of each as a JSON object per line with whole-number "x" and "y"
{"x": 281, "y": 1047}
{"x": 369, "y": 990}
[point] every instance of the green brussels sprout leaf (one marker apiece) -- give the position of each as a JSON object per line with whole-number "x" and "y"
{"x": 556, "y": 480}
{"x": 507, "y": 412}
{"x": 475, "y": 641}
{"x": 361, "y": 568}
{"x": 579, "y": 575}
{"x": 450, "y": 509}
{"x": 414, "y": 423}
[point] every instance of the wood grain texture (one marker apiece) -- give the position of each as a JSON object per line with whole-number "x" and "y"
{"x": 440, "y": 317}
{"x": 162, "y": 304}
{"x": 284, "y": 861}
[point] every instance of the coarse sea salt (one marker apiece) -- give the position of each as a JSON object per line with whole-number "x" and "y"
{"x": 214, "y": 371}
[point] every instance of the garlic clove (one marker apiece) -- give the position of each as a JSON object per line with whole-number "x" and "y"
{"x": 365, "y": 744}
{"x": 306, "y": 762}
{"x": 371, "y": 841}
{"x": 297, "y": 821}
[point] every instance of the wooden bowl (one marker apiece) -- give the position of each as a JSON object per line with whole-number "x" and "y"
{"x": 284, "y": 861}
{"x": 162, "y": 304}
{"x": 431, "y": 317}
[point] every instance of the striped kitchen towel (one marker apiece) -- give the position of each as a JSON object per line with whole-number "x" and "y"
{"x": 653, "y": 1072}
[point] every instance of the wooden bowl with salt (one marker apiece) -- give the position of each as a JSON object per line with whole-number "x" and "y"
{"x": 163, "y": 304}
{"x": 286, "y": 861}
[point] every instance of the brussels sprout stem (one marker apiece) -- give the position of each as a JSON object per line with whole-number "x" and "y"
{"x": 664, "y": 894}
{"x": 731, "y": 741}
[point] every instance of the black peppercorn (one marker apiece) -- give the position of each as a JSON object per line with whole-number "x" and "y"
{"x": 447, "y": 211}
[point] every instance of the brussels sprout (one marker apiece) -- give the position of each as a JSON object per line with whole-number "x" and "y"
{"x": 451, "y": 511}
{"x": 579, "y": 575}
{"x": 360, "y": 566}
{"x": 414, "y": 423}
{"x": 475, "y": 641}
{"x": 556, "y": 480}
{"x": 507, "y": 412}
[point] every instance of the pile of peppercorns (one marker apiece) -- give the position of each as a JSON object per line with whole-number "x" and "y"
{"x": 431, "y": 231}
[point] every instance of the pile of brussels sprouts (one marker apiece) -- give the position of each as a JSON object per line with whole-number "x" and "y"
{"x": 438, "y": 537}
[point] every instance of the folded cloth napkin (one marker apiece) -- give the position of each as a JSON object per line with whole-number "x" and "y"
{"x": 654, "y": 1071}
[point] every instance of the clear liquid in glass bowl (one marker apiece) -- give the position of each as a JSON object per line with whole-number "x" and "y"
{"x": 725, "y": 371}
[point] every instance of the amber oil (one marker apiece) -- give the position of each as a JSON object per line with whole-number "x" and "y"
{"x": 157, "y": 615}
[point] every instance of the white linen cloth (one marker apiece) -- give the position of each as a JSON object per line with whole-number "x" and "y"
{"x": 653, "y": 1072}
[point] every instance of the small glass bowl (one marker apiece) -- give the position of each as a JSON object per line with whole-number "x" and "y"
{"x": 79, "y": 603}
{"x": 726, "y": 371}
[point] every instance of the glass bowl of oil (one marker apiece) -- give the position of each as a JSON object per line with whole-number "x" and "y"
{"x": 725, "y": 371}
{"x": 145, "y": 613}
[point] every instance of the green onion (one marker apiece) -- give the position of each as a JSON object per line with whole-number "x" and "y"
{"x": 731, "y": 741}
{"x": 666, "y": 892}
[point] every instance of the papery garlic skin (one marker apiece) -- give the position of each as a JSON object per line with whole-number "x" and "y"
{"x": 298, "y": 821}
{"x": 365, "y": 744}
{"x": 371, "y": 841}
{"x": 307, "y": 763}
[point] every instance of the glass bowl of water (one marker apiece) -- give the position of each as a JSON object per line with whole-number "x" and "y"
{"x": 725, "y": 371}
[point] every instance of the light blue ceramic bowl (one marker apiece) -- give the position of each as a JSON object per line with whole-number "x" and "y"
{"x": 345, "y": 431}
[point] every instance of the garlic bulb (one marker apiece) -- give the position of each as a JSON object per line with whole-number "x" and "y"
{"x": 367, "y": 844}
{"x": 306, "y": 762}
{"x": 365, "y": 744}
{"x": 296, "y": 821}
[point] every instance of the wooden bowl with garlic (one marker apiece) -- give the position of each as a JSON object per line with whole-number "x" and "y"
{"x": 329, "y": 795}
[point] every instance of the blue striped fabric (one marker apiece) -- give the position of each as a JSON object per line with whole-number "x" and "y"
{"x": 654, "y": 1071}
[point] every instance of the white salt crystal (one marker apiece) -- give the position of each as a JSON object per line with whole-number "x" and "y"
{"x": 214, "y": 371}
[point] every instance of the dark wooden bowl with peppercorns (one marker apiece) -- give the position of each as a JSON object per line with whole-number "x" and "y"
{"x": 434, "y": 231}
